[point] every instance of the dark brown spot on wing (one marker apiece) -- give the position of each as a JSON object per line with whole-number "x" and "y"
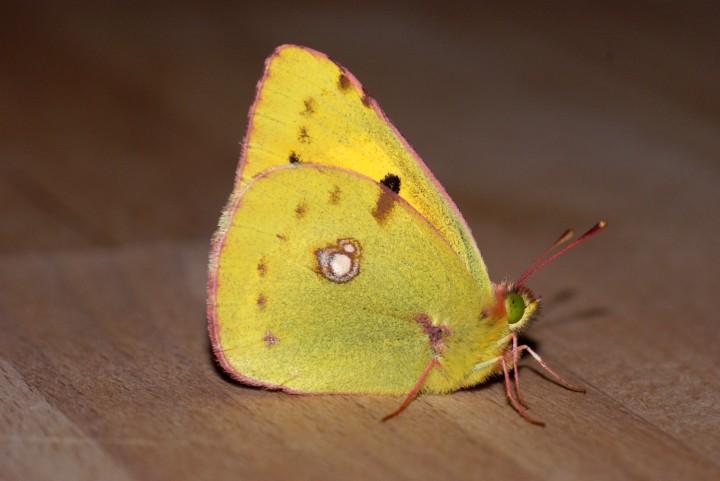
{"x": 366, "y": 99}
{"x": 309, "y": 106}
{"x": 303, "y": 136}
{"x": 261, "y": 301}
{"x": 335, "y": 195}
{"x": 344, "y": 83}
{"x": 392, "y": 182}
{"x": 282, "y": 237}
{"x": 385, "y": 203}
{"x": 270, "y": 339}
{"x": 301, "y": 210}
{"x": 436, "y": 334}
{"x": 262, "y": 267}
{"x": 294, "y": 158}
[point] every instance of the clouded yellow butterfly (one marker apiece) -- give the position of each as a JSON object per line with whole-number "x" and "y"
{"x": 341, "y": 265}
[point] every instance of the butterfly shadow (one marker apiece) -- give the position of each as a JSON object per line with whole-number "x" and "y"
{"x": 224, "y": 375}
{"x": 563, "y": 297}
{"x": 547, "y": 321}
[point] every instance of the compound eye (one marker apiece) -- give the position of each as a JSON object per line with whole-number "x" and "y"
{"x": 515, "y": 307}
{"x": 521, "y": 307}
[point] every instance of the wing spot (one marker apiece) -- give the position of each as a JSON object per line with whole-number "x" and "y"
{"x": 303, "y": 136}
{"x": 310, "y": 105}
{"x": 335, "y": 195}
{"x": 339, "y": 262}
{"x": 301, "y": 210}
{"x": 366, "y": 98}
{"x": 261, "y": 301}
{"x": 294, "y": 158}
{"x": 282, "y": 237}
{"x": 262, "y": 267}
{"x": 392, "y": 182}
{"x": 436, "y": 334}
{"x": 344, "y": 83}
{"x": 384, "y": 205}
{"x": 270, "y": 339}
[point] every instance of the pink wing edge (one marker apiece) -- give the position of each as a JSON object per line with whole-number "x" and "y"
{"x": 218, "y": 239}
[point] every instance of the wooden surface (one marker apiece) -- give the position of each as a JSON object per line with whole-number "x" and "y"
{"x": 120, "y": 129}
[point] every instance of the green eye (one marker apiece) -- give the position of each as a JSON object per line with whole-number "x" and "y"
{"x": 515, "y": 307}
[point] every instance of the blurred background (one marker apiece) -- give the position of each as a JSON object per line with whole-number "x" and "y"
{"x": 128, "y": 116}
{"x": 120, "y": 130}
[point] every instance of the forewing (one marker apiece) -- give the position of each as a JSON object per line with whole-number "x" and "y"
{"x": 311, "y": 110}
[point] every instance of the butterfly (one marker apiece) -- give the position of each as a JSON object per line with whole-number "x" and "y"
{"x": 341, "y": 265}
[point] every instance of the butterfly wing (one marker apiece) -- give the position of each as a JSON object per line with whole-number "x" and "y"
{"x": 322, "y": 280}
{"x": 311, "y": 110}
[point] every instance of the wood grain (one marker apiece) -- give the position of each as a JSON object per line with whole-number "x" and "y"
{"x": 120, "y": 137}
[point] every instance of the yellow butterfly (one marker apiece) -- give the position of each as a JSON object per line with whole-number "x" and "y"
{"x": 341, "y": 265}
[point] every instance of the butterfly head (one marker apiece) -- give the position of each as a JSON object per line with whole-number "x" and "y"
{"x": 515, "y": 303}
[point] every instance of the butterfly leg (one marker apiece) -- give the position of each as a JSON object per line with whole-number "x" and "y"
{"x": 508, "y": 390}
{"x": 414, "y": 390}
{"x": 516, "y": 357}
{"x": 558, "y": 378}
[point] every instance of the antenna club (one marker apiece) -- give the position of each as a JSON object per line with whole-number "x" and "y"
{"x": 540, "y": 263}
{"x": 567, "y": 235}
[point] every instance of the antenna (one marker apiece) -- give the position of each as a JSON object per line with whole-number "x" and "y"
{"x": 539, "y": 263}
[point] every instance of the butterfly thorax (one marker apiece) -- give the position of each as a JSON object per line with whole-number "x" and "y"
{"x": 468, "y": 355}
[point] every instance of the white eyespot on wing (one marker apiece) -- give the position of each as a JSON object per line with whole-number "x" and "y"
{"x": 339, "y": 262}
{"x": 340, "y": 265}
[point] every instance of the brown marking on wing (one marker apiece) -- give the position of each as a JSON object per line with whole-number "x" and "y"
{"x": 309, "y": 107}
{"x": 270, "y": 339}
{"x": 436, "y": 334}
{"x": 344, "y": 83}
{"x": 392, "y": 182}
{"x": 366, "y": 98}
{"x": 301, "y": 210}
{"x": 262, "y": 267}
{"x": 335, "y": 195}
{"x": 385, "y": 204}
{"x": 303, "y": 136}
{"x": 261, "y": 301}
